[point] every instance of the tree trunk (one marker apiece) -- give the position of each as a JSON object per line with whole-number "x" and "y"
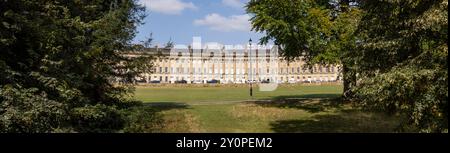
{"x": 349, "y": 79}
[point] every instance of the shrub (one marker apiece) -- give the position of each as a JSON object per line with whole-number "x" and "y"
{"x": 141, "y": 119}
{"x": 97, "y": 118}
{"x": 29, "y": 111}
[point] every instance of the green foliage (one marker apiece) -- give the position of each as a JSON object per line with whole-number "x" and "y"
{"x": 58, "y": 60}
{"x": 420, "y": 93}
{"x": 403, "y": 60}
{"x": 298, "y": 27}
{"x": 28, "y": 110}
{"x": 320, "y": 31}
{"x": 393, "y": 53}
{"x": 142, "y": 119}
{"x": 97, "y": 118}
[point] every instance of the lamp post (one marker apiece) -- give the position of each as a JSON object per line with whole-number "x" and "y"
{"x": 251, "y": 70}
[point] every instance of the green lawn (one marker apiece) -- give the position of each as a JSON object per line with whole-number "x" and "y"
{"x": 291, "y": 108}
{"x": 215, "y": 94}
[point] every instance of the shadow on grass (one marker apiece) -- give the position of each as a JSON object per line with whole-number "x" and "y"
{"x": 345, "y": 118}
{"x": 306, "y": 96}
{"x": 163, "y": 106}
{"x": 354, "y": 122}
{"x": 312, "y": 102}
{"x": 146, "y": 117}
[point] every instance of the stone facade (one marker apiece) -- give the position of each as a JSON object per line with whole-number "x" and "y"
{"x": 234, "y": 64}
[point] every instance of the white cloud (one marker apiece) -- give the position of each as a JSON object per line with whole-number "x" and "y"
{"x": 225, "y": 24}
{"x": 233, "y": 3}
{"x": 171, "y": 7}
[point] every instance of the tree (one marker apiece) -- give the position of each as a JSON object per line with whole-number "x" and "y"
{"x": 169, "y": 44}
{"x": 58, "y": 60}
{"x": 148, "y": 42}
{"x": 403, "y": 60}
{"x": 393, "y": 53}
{"x": 320, "y": 31}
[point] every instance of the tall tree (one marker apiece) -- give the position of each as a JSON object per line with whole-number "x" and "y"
{"x": 321, "y": 31}
{"x": 57, "y": 61}
{"x": 398, "y": 49}
{"x": 403, "y": 60}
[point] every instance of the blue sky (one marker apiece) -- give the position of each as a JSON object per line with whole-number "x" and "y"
{"x": 222, "y": 21}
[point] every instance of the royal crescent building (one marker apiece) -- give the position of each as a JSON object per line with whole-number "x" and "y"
{"x": 228, "y": 64}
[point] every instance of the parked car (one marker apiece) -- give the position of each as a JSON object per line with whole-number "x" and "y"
{"x": 265, "y": 81}
{"x": 306, "y": 81}
{"x": 141, "y": 80}
{"x": 155, "y": 81}
{"x": 213, "y": 81}
{"x": 181, "y": 81}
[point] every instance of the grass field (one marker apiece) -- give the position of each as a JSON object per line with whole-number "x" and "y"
{"x": 291, "y": 108}
{"x": 200, "y": 94}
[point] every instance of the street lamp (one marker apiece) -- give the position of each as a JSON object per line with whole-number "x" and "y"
{"x": 251, "y": 70}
